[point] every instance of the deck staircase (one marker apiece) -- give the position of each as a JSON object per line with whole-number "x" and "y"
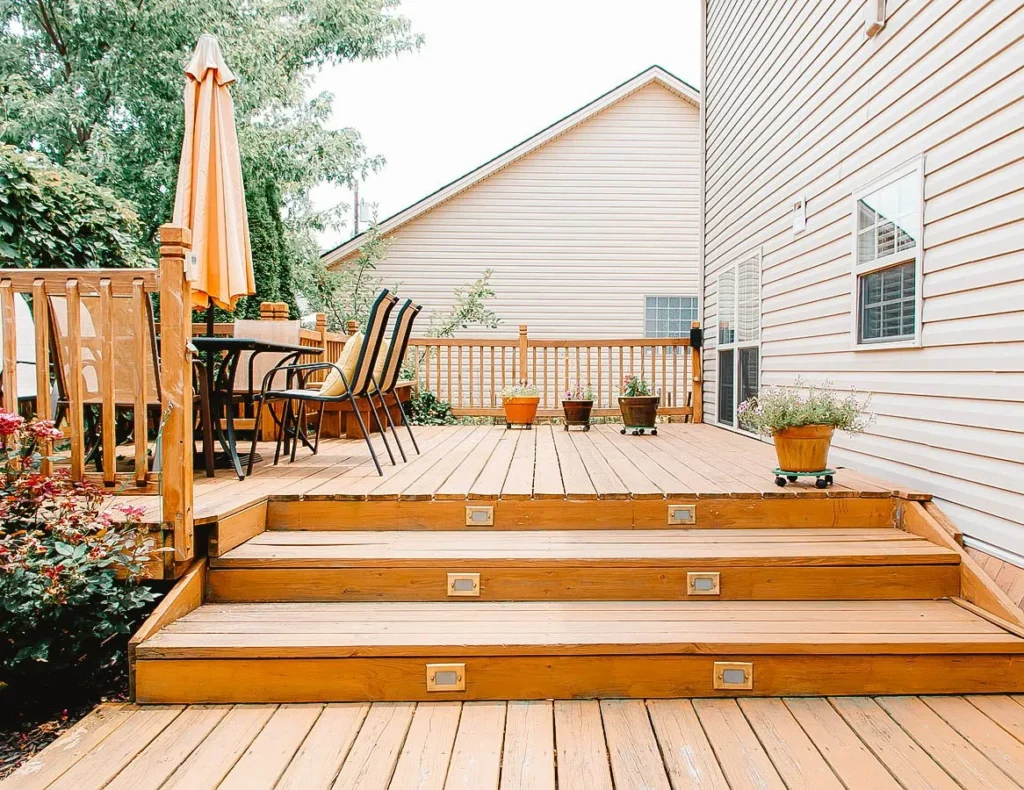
{"x": 445, "y": 610}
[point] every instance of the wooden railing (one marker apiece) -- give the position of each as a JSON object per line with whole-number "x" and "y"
{"x": 94, "y": 346}
{"x": 470, "y": 373}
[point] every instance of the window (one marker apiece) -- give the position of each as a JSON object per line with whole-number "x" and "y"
{"x": 669, "y": 316}
{"x": 887, "y": 260}
{"x": 739, "y": 336}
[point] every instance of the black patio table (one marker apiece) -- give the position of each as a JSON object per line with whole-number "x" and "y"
{"x": 222, "y": 383}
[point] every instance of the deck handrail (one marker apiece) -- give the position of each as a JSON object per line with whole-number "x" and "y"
{"x": 85, "y": 369}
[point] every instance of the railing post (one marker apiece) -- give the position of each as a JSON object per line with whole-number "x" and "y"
{"x": 524, "y": 344}
{"x": 176, "y": 384}
{"x": 321, "y": 328}
{"x": 351, "y": 327}
{"x": 697, "y": 350}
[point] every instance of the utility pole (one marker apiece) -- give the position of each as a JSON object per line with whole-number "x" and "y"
{"x": 355, "y": 208}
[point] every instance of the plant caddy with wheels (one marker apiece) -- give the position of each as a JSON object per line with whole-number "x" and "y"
{"x": 638, "y": 406}
{"x": 802, "y": 427}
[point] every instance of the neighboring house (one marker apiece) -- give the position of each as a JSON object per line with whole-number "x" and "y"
{"x": 864, "y": 224}
{"x": 591, "y": 226}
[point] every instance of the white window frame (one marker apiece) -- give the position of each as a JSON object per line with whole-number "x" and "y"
{"x": 736, "y": 345}
{"x": 915, "y": 167}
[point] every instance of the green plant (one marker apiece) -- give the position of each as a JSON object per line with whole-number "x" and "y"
{"x": 70, "y": 571}
{"x": 469, "y": 308}
{"x": 520, "y": 391}
{"x": 425, "y": 408}
{"x": 579, "y": 391}
{"x": 776, "y": 408}
{"x": 634, "y": 386}
{"x": 55, "y": 218}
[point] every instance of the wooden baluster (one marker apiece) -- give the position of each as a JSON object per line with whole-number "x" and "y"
{"x": 44, "y": 408}
{"x": 544, "y": 371}
{"x": 449, "y": 375}
{"x": 437, "y": 374}
{"x": 470, "y": 374}
{"x": 141, "y": 315}
{"x": 458, "y": 371}
{"x": 686, "y": 381}
{"x": 578, "y": 364}
{"x": 10, "y": 349}
{"x": 493, "y": 395}
{"x": 600, "y": 381}
{"x": 107, "y": 404}
{"x": 589, "y": 376}
{"x": 76, "y": 411}
{"x": 416, "y": 367}
{"x": 675, "y": 374}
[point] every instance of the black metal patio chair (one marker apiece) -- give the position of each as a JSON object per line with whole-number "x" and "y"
{"x": 388, "y": 383}
{"x": 298, "y": 389}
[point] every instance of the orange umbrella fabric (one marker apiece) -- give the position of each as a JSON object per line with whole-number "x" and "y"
{"x": 210, "y": 199}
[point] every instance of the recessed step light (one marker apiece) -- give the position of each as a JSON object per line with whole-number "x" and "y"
{"x": 446, "y": 677}
{"x": 464, "y": 585}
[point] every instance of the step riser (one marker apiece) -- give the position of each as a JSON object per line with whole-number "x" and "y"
{"x": 566, "y": 677}
{"x": 710, "y": 513}
{"x": 568, "y": 582}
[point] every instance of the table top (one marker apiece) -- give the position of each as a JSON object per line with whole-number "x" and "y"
{"x": 220, "y": 343}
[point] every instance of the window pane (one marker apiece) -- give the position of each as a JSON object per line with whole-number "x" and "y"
{"x": 725, "y": 387}
{"x": 749, "y": 373}
{"x": 749, "y": 301}
{"x": 887, "y": 306}
{"x": 887, "y": 219}
{"x": 727, "y": 307}
{"x": 669, "y": 316}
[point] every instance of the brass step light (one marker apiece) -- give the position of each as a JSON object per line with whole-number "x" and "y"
{"x": 733, "y": 675}
{"x": 682, "y": 514}
{"x": 703, "y": 583}
{"x": 446, "y": 677}
{"x": 464, "y": 585}
{"x": 479, "y": 515}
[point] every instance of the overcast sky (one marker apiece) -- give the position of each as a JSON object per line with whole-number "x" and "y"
{"x": 490, "y": 74}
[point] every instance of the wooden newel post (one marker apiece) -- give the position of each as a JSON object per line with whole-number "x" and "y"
{"x": 697, "y": 356}
{"x": 351, "y": 327}
{"x": 524, "y": 344}
{"x": 176, "y": 383}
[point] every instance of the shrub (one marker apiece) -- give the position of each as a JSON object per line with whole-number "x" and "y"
{"x": 69, "y": 571}
{"x": 53, "y": 217}
{"x": 425, "y": 408}
{"x": 634, "y": 386}
{"x": 776, "y": 408}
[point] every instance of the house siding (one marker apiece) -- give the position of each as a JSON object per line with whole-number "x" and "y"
{"x": 578, "y": 231}
{"x": 799, "y": 102}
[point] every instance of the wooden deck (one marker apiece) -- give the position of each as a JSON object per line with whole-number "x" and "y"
{"x": 819, "y": 743}
{"x": 460, "y": 463}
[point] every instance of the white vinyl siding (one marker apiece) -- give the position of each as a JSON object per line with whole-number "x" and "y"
{"x": 798, "y": 102}
{"x": 578, "y": 232}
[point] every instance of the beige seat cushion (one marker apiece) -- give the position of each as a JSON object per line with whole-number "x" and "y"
{"x": 333, "y": 384}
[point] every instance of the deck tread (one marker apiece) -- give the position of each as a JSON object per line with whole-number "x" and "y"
{"x": 310, "y": 630}
{"x": 324, "y": 549}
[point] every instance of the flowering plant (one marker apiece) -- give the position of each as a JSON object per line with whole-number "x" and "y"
{"x": 578, "y": 391}
{"x": 520, "y": 391}
{"x": 634, "y": 386}
{"x": 70, "y": 570}
{"x": 776, "y": 408}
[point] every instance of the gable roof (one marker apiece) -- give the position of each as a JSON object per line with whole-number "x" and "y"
{"x": 654, "y": 74}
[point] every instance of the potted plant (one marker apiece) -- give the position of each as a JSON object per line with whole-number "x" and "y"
{"x": 802, "y": 426}
{"x": 577, "y": 403}
{"x": 520, "y": 402}
{"x": 638, "y": 406}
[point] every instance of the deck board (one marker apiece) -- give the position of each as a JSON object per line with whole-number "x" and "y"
{"x": 876, "y": 742}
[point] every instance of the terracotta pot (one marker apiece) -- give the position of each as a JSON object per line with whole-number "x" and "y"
{"x": 804, "y": 449}
{"x": 577, "y": 412}
{"x": 521, "y": 411}
{"x": 639, "y": 411}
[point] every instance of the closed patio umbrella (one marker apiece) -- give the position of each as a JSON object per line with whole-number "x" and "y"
{"x": 210, "y": 199}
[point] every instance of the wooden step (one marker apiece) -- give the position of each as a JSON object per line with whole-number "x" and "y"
{"x": 737, "y": 564}
{"x": 298, "y": 652}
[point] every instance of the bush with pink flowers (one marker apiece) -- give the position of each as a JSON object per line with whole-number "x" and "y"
{"x": 70, "y": 568}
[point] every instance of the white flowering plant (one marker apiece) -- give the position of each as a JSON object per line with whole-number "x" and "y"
{"x": 774, "y": 409}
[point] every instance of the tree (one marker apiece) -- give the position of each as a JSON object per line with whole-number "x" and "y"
{"x": 55, "y": 218}
{"x": 97, "y": 85}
